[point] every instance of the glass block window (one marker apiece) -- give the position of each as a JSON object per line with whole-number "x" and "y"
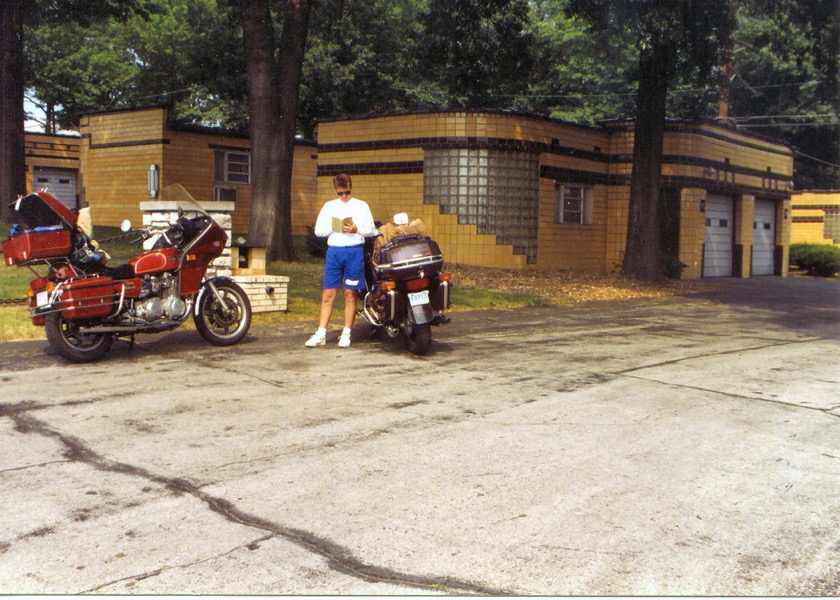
{"x": 573, "y": 204}
{"x": 232, "y": 167}
{"x": 498, "y": 191}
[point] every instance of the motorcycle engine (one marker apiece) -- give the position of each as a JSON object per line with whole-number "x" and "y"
{"x": 160, "y": 299}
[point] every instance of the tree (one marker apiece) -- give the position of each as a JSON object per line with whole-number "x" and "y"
{"x": 675, "y": 40}
{"x": 14, "y": 13}
{"x": 477, "y": 51}
{"x": 362, "y": 59}
{"x": 273, "y": 88}
{"x": 12, "y": 175}
{"x": 786, "y": 82}
{"x": 579, "y": 74}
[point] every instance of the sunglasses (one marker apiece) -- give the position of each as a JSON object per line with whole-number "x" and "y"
{"x": 347, "y": 193}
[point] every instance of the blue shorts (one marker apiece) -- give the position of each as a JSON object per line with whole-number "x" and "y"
{"x": 345, "y": 265}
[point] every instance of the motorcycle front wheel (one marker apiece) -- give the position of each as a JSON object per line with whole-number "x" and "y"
{"x": 223, "y": 323}
{"x": 65, "y": 338}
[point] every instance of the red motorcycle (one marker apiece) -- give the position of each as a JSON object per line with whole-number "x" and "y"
{"x": 85, "y": 305}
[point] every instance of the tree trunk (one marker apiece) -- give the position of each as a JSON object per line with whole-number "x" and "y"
{"x": 12, "y": 165}
{"x": 643, "y": 254}
{"x": 292, "y": 46}
{"x": 258, "y": 35}
{"x": 273, "y": 92}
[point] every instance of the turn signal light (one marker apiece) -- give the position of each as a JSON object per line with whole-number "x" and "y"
{"x": 445, "y": 276}
{"x": 30, "y": 292}
{"x": 389, "y": 285}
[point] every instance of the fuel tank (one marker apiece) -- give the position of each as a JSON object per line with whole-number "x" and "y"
{"x": 155, "y": 261}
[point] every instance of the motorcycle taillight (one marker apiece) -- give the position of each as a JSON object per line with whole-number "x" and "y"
{"x": 417, "y": 284}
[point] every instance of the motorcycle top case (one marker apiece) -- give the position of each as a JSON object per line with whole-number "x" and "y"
{"x": 48, "y": 230}
{"x": 88, "y": 298}
{"x": 406, "y": 257}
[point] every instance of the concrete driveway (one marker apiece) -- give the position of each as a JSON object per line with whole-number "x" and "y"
{"x": 688, "y": 446}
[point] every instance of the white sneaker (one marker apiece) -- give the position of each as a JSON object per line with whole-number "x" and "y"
{"x": 344, "y": 340}
{"x": 316, "y": 340}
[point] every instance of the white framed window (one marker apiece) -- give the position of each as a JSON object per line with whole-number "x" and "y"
{"x": 233, "y": 166}
{"x": 573, "y": 204}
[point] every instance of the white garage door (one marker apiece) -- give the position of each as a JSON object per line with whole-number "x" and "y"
{"x": 717, "y": 253}
{"x": 764, "y": 237}
{"x": 61, "y": 184}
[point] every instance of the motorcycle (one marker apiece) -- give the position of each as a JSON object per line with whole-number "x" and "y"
{"x": 84, "y": 305}
{"x": 407, "y": 287}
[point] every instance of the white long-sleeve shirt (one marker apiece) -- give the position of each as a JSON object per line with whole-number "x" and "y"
{"x": 357, "y": 209}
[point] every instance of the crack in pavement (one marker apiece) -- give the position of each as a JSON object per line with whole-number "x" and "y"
{"x": 675, "y": 361}
{"x": 156, "y": 572}
{"x": 827, "y": 411}
{"x": 338, "y": 558}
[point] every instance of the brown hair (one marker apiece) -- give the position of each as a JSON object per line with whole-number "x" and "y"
{"x": 342, "y": 180}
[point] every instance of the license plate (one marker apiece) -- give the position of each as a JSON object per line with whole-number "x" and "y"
{"x": 418, "y": 298}
{"x": 42, "y": 298}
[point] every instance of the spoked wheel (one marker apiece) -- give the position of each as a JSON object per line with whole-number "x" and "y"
{"x": 223, "y": 323}
{"x": 418, "y": 338}
{"x": 67, "y": 340}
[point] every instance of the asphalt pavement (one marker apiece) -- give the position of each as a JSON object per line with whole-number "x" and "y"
{"x": 680, "y": 446}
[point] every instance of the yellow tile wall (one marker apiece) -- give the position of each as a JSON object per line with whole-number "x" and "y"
{"x": 743, "y": 232}
{"x": 783, "y": 233}
{"x": 812, "y": 233}
{"x": 692, "y": 232}
{"x": 572, "y": 247}
{"x": 116, "y": 177}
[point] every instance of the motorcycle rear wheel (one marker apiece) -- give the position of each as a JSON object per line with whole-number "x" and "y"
{"x": 419, "y": 341}
{"x": 223, "y": 325}
{"x": 73, "y": 346}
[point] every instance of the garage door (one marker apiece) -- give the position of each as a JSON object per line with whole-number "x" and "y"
{"x": 764, "y": 238}
{"x": 717, "y": 252}
{"x": 61, "y": 184}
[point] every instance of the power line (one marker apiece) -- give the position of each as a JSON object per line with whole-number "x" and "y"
{"x": 678, "y": 91}
{"x": 814, "y": 158}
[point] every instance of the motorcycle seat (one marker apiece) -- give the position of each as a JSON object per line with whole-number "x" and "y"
{"x": 125, "y": 271}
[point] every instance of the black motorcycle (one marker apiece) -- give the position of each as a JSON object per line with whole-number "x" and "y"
{"x": 407, "y": 288}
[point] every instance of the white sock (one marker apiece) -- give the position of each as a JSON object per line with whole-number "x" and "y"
{"x": 345, "y": 331}
{"x": 322, "y": 332}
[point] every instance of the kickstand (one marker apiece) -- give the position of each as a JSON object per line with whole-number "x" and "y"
{"x": 131, "y": 343}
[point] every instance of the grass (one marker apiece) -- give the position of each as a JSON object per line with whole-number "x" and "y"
{"x": 304, "y": 275}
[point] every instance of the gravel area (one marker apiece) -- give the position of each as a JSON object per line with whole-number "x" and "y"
{"x": 569, "y": 287}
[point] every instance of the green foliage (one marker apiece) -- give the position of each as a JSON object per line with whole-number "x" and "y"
{"x": 822, "y": 260}
{"x": 575, "y": 60}
{"x": 786, "y": 81}
{"x": 578, "y": 75}
{"x": 478, "y": 51}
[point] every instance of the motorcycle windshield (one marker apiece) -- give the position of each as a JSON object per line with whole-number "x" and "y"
{"x": 181, "y": 198}
{"x": 43, "y": 210}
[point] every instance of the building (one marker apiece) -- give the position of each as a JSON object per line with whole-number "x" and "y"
{"x": 816, "y": 217}
{"x": 118, "y": 147}
{"x": 496, "y": 188}
{"x": 510, "y": 190}
{"x": 52, "y": 161}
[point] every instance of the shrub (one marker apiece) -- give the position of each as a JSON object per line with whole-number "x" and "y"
{"x": 822, "y": 260}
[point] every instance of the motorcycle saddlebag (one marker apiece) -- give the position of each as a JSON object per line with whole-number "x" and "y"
{"x": 34, "y": 245}
{"x": 405, "y": 257}
{"x": 88, "y": 298}
{"x": 45, "y": 233}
